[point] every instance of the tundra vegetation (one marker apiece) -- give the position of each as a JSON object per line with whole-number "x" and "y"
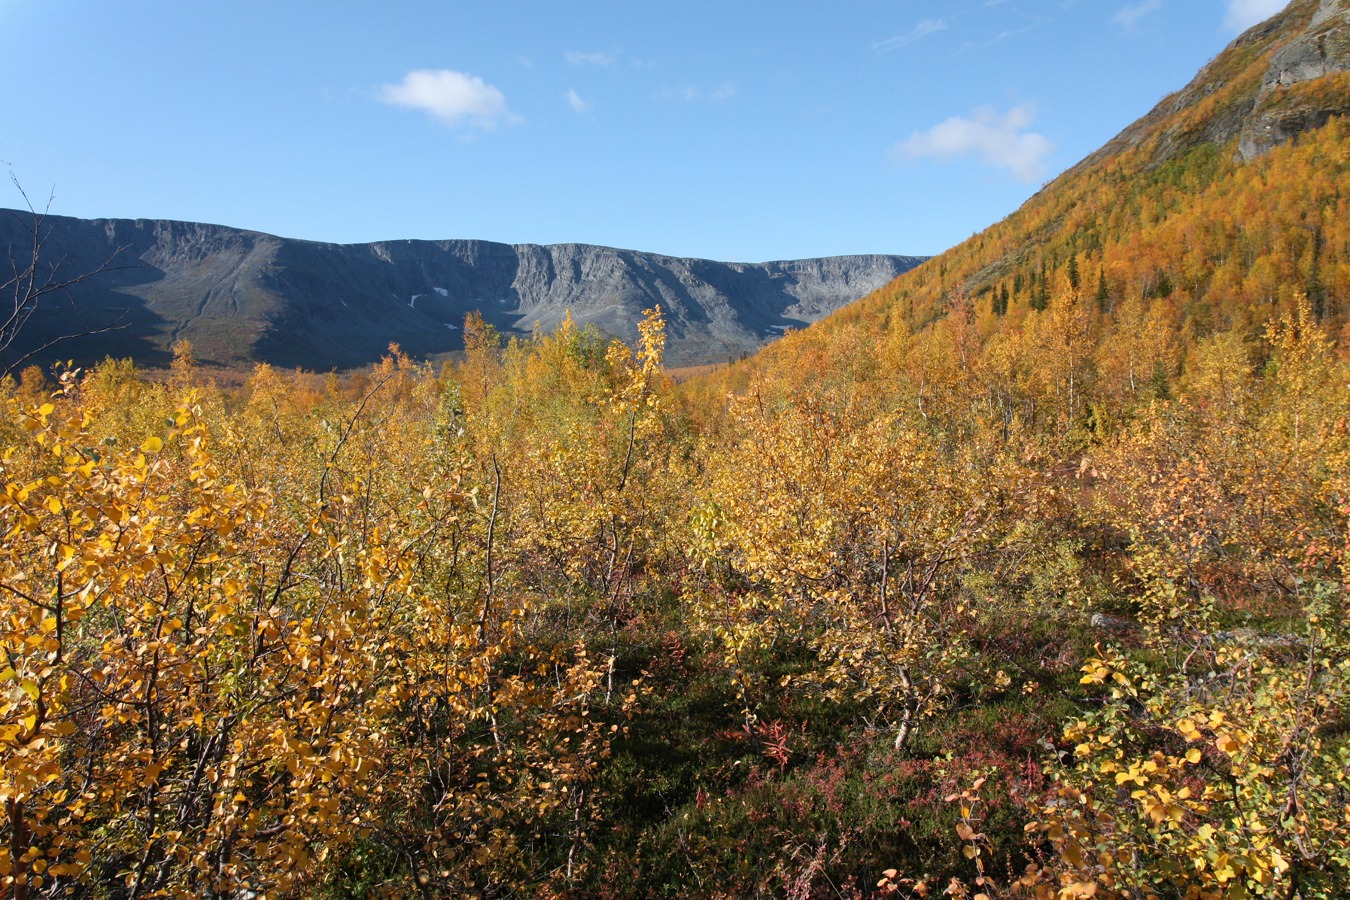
{"x": 1025, "y": 577}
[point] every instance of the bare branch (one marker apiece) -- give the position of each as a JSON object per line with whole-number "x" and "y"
{"x": 32, "y": 283}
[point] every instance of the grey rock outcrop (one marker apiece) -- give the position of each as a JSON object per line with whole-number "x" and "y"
{"x": 1310, "y": 40}
{"x": 1322, "y": 50}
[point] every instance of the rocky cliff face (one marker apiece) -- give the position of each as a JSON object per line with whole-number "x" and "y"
{"x": 1289, "y": 103}
{"x": 1262, "y": 105}
{"x": 243, "y": 297}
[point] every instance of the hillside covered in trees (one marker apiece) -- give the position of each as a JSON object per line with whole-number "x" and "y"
{"x": 1024, "y": 577}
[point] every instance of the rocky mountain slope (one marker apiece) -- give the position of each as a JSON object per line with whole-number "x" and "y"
{"x": 1217, "y": 210}
{"x": 1277, "y": 80}
{"x": 242, "y": 297}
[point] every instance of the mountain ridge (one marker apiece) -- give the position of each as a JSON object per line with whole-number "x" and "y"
{"x": 1246, "y": 107}
{"x": 243, "y": 297}
{"x": 1123, "y": 216}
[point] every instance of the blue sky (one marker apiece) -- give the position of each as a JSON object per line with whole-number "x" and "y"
{"x": 734, "y": 130}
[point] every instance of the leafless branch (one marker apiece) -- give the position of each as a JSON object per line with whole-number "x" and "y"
{"x": 34, "y": 280}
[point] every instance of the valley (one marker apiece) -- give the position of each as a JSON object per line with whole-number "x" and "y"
{"x": 1023, "y": 576}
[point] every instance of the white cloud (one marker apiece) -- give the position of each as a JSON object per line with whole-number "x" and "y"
{"x": 1000, "y": 140}
{"x": 452, "y": 97}
{"x": 1128, "y": 17}
{"x": 1243, "y": 14}
{"x": 922, "y": 30}
{"x": 575, "y": 101}
{"x": 1001, "y": 36}
{"x": 575, "y": 58}
{"x": 687, "y": 93}
{"x": 724, "y": 91}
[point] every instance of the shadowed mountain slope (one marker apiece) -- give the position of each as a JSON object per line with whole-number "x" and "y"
{"x": 242, "y": 297}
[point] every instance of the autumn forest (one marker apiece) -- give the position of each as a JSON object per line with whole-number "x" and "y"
{"x": 1025, "y": 576}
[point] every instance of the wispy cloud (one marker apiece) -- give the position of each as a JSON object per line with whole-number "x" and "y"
{"x": 724, "y": 91}
{"x": 451, "y": 97}
{"x": 575, "y": 101}
{"x": 576, "y": 58}
{"x": 999, "y": 140}
{"x": 1001, "y": 36}
{"x": 1243, "y": 14}
{"x": 1128, "y": 17}
{"x": 922, "y": 30}
{"x": 687, "y": 93}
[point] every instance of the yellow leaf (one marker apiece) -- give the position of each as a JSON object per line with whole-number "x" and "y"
{"x": 152, "y": 445}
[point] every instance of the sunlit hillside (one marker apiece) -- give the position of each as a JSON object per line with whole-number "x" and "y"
{"x": 1025, "y": 576}
{"x": 1215, "y": 212}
